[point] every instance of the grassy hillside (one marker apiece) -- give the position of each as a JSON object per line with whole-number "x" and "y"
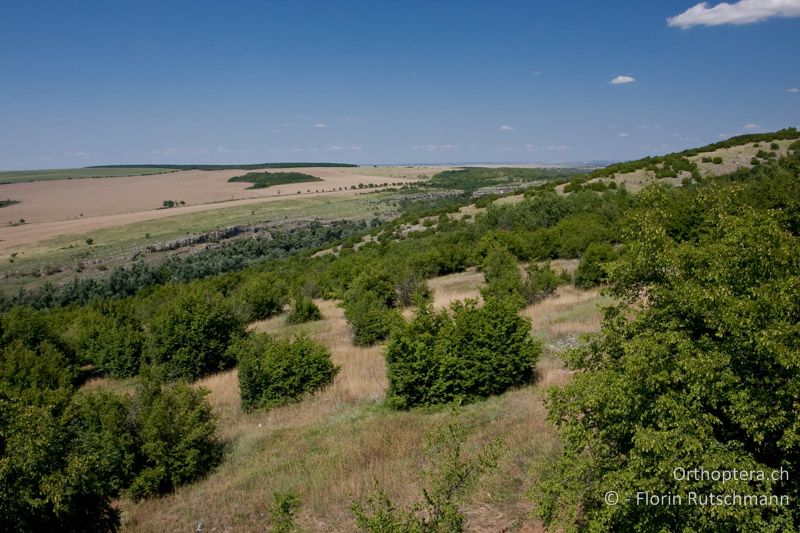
{"x": 689, "y": 296}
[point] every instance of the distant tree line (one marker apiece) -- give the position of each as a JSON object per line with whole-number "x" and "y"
{"x": 249, "y": 166}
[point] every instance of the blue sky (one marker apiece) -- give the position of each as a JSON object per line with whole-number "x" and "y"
{"x": 85, "y": 83}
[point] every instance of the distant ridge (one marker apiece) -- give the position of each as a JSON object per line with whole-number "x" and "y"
{"x": 229, "y": 167}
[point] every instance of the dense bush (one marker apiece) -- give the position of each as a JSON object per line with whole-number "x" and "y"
{"x": 175, "y": 433}
{"x": 260, "y": 296}
{"x": 112, "y": 338}
{"x": 274, "y": 371}
{"x": 57, "y": 474}
{"x": 27, "y": 372}
{"x": 503, "y": 280}
{"x": 591, "y": 270}
{"x": 303, "y": 310}
{"x": 704, "y": 377}
{"x": 189, "y": 335}
{"x": 468, "y": 354}
{"x": 368, "y": 307}
{"x": 540, "y": 282}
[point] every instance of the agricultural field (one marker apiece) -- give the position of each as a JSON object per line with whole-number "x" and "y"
{"x": 25, "y": 176}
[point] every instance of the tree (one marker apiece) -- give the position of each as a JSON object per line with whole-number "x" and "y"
{"x": 188, "y": 337}
{"x": 368, "y": 306}
{"x": 591, "y": 270}
{"x": 502, "y": 275}
{"x": 176, "y": 436}
{"x": 303, "y": 310}
{"x": 273, "y": 372}
{"x": 473, "y": 353}
{"x": 113, "y": 339}
{"x": 261, "y": 296}
{"x": 704, "y": 377}
{"x": 539, "y": 283}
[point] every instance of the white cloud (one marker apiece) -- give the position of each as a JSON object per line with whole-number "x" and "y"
{"x": 793, "y": 90}
{"x": 752, "y": 127}
{"x": 623, "y": 134}
{"x": 741, "y": 12}
{"x": 506, "y": 127}
{"x": 320, "y": 125}
{"x": 555, "y": 147}
{"x": 619, "y": 80}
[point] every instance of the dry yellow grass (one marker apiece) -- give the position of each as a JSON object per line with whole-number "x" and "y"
{"x": 459, "y": 286}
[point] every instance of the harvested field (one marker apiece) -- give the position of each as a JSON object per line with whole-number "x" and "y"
{"x": 19, "y": 176}
{"x": 66, "y": 200}
{"x": 81, "y": 206}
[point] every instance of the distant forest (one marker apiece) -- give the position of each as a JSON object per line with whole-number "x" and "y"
{"x": 261, "y": 180}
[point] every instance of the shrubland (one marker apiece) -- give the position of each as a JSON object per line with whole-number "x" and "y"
{"x": 704, "y": 376}
{"x": 696, "y": 367}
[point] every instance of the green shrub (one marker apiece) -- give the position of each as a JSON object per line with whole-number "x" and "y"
{"x": 463, "y": 356}
{"x": 54, "y": 475}
{"x": 175, "y": 431}
{"x": 717, "y": 160}
{"x": 369, "y": 317}
{"x": 303, "y": 310}
{"x": 273, "y": 371}
{"x": 591, "y": 270}
{"x": 28, "y": 371}
{"x": 30, "y": 327}
{"x": 541, "y": 281}
{"x": 189, "y": 336}
{"x": 503, "y": 280}
{"x": 113, "y": 340}
{"x": 576, "y": 232}
{"x": 260, "y": 296}
{"x": 283, "y": 512}
{"x": 774, "y": 146}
